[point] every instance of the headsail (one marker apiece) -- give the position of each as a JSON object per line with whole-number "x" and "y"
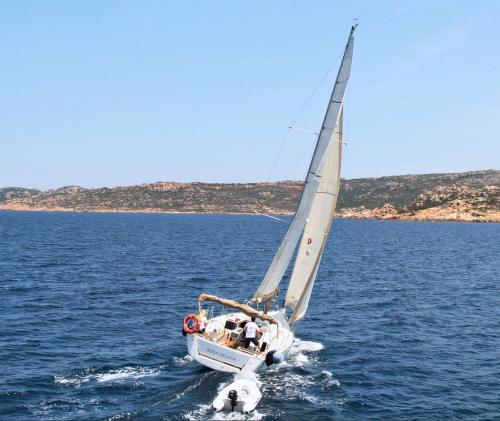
{"x": 277, "y": 269}
{"x": 316, "y": 229}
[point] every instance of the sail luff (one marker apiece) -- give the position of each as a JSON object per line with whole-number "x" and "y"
{"x": 281, "y": 261}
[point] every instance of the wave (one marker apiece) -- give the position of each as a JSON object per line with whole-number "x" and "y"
{"x": 180, "y": 361}
{"x": 122, "y": 374}
{"x": 326, "y": 380}
{"x": 126, "y": 373}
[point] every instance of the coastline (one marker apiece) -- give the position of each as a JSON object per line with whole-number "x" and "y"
{"x": 464, "y": 197}
{"x": 422, "y": 216}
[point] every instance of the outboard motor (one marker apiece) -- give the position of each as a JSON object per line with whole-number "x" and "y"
{"x": 233, "y": 397}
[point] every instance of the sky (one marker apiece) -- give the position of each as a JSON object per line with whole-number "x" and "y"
{"x": 105, "y": 93}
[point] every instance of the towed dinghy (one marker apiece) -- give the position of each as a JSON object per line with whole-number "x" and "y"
{"x": 240, "y": 396}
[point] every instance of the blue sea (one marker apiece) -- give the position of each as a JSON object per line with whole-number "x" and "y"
{"x": 404, "y": 322}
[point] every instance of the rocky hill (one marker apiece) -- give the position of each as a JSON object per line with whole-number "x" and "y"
{"x": 460, "y": 196}
{"x": 440, "y": 204}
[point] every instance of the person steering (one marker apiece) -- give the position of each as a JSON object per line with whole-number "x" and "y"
{"x": 251, "y": 333}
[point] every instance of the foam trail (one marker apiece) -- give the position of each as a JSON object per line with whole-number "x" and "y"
{"x": 122, "y": 374}
{"x": 182, "y": 361}
{"x": 299, "y": 353}
{"x": 305, "y": 346}
{"x": 205, "y": 412}
{"x": 127, "y": 373}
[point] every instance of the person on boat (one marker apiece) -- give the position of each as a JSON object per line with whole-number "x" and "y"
{"x": 203, "y": 320}
{"x": 251, "y": 333}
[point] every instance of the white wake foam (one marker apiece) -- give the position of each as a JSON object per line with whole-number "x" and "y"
{"x": 182, "y": 361}
{"x": 248, "y": 376}
{"x": 305, "y": 346}
{"x": 205, "y": 412}
{"x": 75, "y": 381}
{"x": 300, "y": 353}
{"x": 327, "y": 379}
{"x": 117, "y": 375}
{"x": 126, "y": 373}
{"x": 255, "y": 415}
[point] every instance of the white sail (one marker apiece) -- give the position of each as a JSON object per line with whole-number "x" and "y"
{"x": 316, "y": 229}
{"x": 281, "y": 261}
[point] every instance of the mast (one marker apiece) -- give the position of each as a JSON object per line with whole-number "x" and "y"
{"x": 269, "y": 285}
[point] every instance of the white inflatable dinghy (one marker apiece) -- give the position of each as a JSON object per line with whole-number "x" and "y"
{"x": 241, "y": 396}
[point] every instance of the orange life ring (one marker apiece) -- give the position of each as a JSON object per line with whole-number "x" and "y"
{"x": 191, "y": 323}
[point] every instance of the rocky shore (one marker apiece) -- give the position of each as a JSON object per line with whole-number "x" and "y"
{"x": 441, "y": 204}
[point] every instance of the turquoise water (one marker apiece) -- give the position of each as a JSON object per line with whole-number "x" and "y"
{"x": 404, "y": 320}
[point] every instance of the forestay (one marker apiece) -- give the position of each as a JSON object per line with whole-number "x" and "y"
{"x": 316, "y": 229}
{"x": 268, "y": 287}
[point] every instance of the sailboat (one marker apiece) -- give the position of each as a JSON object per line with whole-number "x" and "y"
{"x": 217, "y": 341}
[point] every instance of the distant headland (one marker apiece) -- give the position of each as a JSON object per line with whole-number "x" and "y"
{"x": 469, "y": 196}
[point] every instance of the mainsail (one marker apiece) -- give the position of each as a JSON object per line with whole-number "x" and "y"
{"x": 269, "y": 286}
{"x": 316, "y": 229}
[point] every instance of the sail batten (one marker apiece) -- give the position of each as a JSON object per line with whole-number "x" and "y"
{"x": 314, "y": 179}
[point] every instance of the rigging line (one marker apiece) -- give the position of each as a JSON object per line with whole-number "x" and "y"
{"x": 307, "y": 151}
{"x": 285, "y": 138}
{"x": 292, "y": 127}
{"x": 279, "y": 153}
{"x": 272, "y": 217}
{"x": 316, "y": 88}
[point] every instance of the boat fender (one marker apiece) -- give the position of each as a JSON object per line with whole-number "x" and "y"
{"x": 274, "y": 357}
{"x": 278, "y": 357}
{"x": 233, "y": 396}
{"x": 269, "y": 358}
{"x": 191, "y": 323}
{"x": 184, "y": 332}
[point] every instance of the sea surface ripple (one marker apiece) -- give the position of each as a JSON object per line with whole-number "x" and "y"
{"x": 404, "y": 322}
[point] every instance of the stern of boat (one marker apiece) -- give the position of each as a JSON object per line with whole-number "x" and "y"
{"x": 221, "y": 358}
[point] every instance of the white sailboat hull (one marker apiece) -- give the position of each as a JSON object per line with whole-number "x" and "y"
{"x": 215, "y": 352}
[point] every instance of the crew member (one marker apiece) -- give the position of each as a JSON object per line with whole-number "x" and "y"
{"x": 203, "y": 320}
{"x": 251, "y": 332}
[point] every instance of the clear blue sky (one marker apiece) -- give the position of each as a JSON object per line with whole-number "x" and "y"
{"x": 104, "y": 93}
